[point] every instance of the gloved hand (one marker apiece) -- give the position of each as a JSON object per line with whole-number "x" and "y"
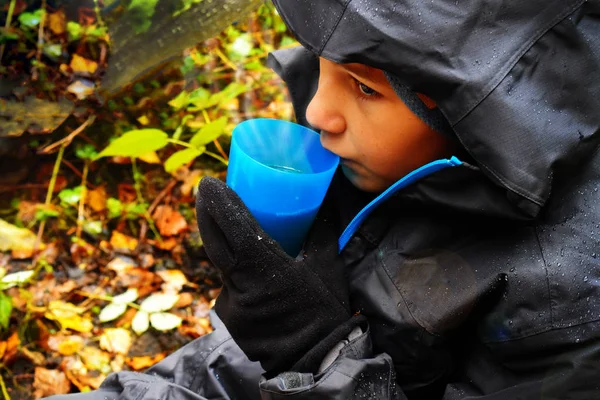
{"x": 286, "y": 313}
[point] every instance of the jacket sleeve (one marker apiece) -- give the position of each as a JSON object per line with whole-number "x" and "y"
{"x": 353, "y": 373}
{"x": 210, "y": 367}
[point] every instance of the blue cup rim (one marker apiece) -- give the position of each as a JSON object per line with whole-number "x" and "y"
{"x": 335, "y": 158}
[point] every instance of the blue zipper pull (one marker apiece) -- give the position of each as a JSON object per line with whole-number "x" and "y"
{"x": 408, "y": 179}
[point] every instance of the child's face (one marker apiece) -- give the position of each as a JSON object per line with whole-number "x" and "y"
{"x": 377, "y": 137}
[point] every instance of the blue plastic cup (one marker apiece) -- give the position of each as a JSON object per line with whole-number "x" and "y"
{"x": 281, "y": 172}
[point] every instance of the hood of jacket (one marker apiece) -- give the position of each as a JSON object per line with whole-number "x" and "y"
{"x": 518, "y": 81}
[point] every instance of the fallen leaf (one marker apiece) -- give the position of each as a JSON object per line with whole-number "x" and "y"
{"x": 48, "y": 382}
{"x": 169, "y": 221}
{"x": 174, "y": 280}
{"x": 167, "y": 245}
{"x": 121, "y": 264}
{"x": 121, "y": 242}
{"x": 81, "y": 250}
{"x": 16, "y": 278}
{"x": 139, "y": 278}
{"x": 66, "y": 344}
{"x": 68, "y": 316}
{"x": 185, "y": 299}
{"x": 81, "y": 65}
{"x": 202, "y": 308}
{"x": 146, "y": 260}
{"x": 116, "y": 364}
{"x": 15, "y": 238}
{"x": 33, "y": 115}
{"x": 57, "y": 22}
{"x": 12, "y": 347}
{"x": 95, "y": 359}
{"x": 116, "y": 340}
{"x": 82, "y": 88}
{"x": 96, "y": 199}
{"x": 143, "y": 362}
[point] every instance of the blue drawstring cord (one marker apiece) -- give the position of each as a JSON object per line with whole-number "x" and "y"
{"x": 412, "y": 177}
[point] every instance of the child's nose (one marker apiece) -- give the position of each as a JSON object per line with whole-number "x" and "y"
{"x": 324, "y": 111}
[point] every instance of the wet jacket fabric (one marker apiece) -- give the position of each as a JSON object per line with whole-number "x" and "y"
{"x": 480, "y": 281}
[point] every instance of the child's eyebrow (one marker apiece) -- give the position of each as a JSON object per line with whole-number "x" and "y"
{"x": 365, "y": 72}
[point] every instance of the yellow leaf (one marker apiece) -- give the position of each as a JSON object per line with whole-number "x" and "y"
{"x": 83, "y": 65}
{"x": 150, "y": 158}
{"x": 120, "y": 241}
{"x": 143, "y": 120}
{"x": 57, "y": 22}
{"x": 68, "y": 316}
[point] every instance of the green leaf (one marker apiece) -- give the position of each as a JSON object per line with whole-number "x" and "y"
{"x": 129, "y": 296}
{"x": 136, "y": 143}
{"x": 16, "y": 278}
{"x": 44, "y": 214}
{"x": 112, "y": 312}
{"x": 74, "y": 30}
{"x": 241, "y": 46}
{"x": 86, "y": 152}
{"x": 6, "y": 307}
{"x": 140, "y": 323}
{"x": 159, "y": 302}
{"x": 164, "y": 321}
{"x": 233, "y": 90}
{"x": 53, "y": 51}
{"x": 181, "y": 157}
{"x": 31, "y": 19}
{"x": 209, "y": 132}
{"x": 70, "y": 196}
{"x": 115, "y": 207}
{"x": 93, "y": 228}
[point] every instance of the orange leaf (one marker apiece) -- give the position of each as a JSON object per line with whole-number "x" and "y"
{"x": 57, "y": 22}
{"x": 123, "y": 242}
{"x": 169, "y": 221}
{"x": 83, "y": 65}
{"x": 12, "y": 347}
{"x": 48, "y": 382}
{"x": 139, "y": 363}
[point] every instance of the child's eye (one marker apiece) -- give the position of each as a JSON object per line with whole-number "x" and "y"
{"x": 367, "y": 91}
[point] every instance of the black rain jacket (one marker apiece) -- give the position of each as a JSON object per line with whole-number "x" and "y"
{"x": 479, "y": 281}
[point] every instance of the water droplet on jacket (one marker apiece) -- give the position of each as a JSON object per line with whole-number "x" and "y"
{"x": 585, "y": 278}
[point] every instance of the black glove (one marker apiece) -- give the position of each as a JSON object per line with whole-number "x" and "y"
{"x": 286, "y": 313}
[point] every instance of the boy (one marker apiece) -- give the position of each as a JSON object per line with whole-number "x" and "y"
{"x": 476, "y": 281}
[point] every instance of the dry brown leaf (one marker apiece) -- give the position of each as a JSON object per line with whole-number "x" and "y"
{"x": 146, "y": 260}
{"x": 96, "y": 199}
{"x": 116, "y": 340}
{"x": 81, "y": 250}
{"x": 81, "y": 65}
{"x": 143, "y": 362}
{"x": 174, "y": 280}
{"x": 185, "y": 299}
{"x": 121, "y": 264}
{"x": 169, "y": 221}
{"x": 57, "y": 22}
{"x": 190, "y": 181}
{"x": 121, "y": 242}
{"x": 48, "y": 382}
{"x": 167, "y": 244}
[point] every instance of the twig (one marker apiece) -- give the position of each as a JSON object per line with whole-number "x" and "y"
{"x": 11, "y": 10}
{"x": 49, "y": 197}
{"x": 217, "y": 157}
{"x": 161, "y": 195}
{"x": 86, "y": 167}
{"x": 67, "y": 139}
{"x": 225, "y": 60}
{"x": 4, "y": 391}
{"x": 40, "y": 43}
{"x": 138, "y": 189}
